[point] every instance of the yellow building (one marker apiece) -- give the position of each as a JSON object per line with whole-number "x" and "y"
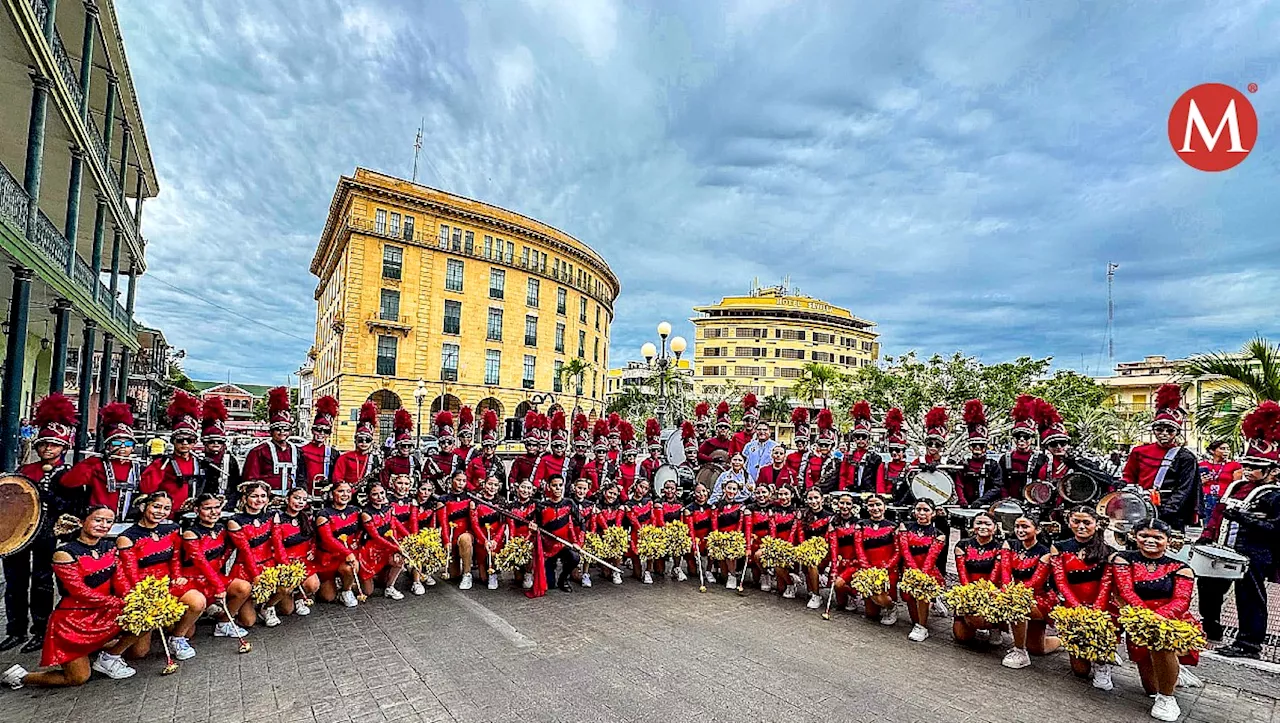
{"x": 479, "y": 304}
{"x": 1133, "y": 388}
{"x": 760, "y": 342}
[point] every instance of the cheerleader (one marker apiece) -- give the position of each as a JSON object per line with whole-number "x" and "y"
{"x": 920, "y": 543}
{"x": 814, "y": 521}
{"x": 250, "y": 532}
{"x": 404, "y": 507}
{"x": 1083, "y": 577}
{"x": 152, "y": 547}
{"x": 454, "y": 520}
{"x": 609, "y": 513}
{"x": 842, "y": 539}
{"x": 977, "y": 558}
{"x": 337, "y": 539}
{"x": 875, "y": 542}
{"x": 379, "y": 555}
{"x": 641, "y": 511}
{"x": 731, "y": 516}
{"x": 782, "y": 525}
{"x": 669, "y": 509}
{"x": 697, "y": 515}
{"x": 490, "y": 527}
{"x": 205, "y": 547}
{"x": 757, "y": 511}
{"x": 426, "y": 514}
{"x": 293, "y": 537}
{"x": 584, "y": 506}
{"x": 91, "y": 583}
{"x": 523, "y": 507}
{"x": 1147, "y": 577}
{"x": 559, "y": 517}
{"x": 1026, "y": 561}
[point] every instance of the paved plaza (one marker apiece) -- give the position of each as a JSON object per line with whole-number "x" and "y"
{"x": 630, "y": 653}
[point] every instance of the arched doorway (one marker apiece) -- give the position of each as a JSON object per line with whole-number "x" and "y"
{"x": 556, "y": 408}
{"x": 388, "y": 402}
{"x": 447, "y": 401}
{"x": 522, "y": 409}
{"x": 489, "y": 403}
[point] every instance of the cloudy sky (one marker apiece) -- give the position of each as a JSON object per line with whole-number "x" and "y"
{"x": 958, "y": 172}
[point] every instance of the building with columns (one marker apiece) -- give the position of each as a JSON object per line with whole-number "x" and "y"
{"x": 74, "y": 170}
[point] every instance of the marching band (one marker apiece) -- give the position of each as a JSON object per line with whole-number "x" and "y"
{"x": 870, "y": 526}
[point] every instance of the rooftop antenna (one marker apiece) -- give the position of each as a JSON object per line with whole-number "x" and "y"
{"x": 417, "y": 147}
{"x": 1111, "y": 313}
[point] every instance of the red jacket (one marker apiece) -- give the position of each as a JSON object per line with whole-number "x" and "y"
{"x": 176, "y": 476}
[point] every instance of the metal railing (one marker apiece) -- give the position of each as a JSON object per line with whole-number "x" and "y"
{"x": 49, "y": 240}
{"x": 13, "y": 200}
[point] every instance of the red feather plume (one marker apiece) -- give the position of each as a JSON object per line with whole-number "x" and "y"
{"x": 444, "y": 418}
{"x": 490, "y": 420}
{"x": 543, "y": 422}
{"x": 800, "y": 415}
{"x": 626, "y": 432}
{"x": 465, "y": 417}
{"x": 215, "y": 410}
{"x": 652, "y": 428}
{"x": 687, "y": 431}
{"x": 749, "y": 401}
{"x": 369, "y": 412}
{"x": 579, "y": 422}
{"x": 614, "y": 420}
{"x": 530, "y": 420}
{"x": 1263, "y": 422}
{"x": 557, "y": 419}
{"x": 893, "y": 420}
{"x": 327, "y": 405}
{"x": 600, "y": 429}
{"x": 936, "y": 417}
{"x": 57, "y": 409}
{"x": 1168, "y": 396}
{"x": 277, "y": 399}
{"x": 861, "y": 410}
{"x": 1024, "y": 408}
{"x": 825, "y": 421}
{"x": 116, "y": 413}
{"x": 183, "y": 405}
{"x": 974, "y": 413}
{"x": 702, "y": 409}
{"x": 1046, "y": 414}
{"x": 403, "y": 420}
{"x": 722, "y": 408}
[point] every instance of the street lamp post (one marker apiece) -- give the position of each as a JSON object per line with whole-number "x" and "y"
{"x": 661, "y": 361}
{"x": 420, "y": 395}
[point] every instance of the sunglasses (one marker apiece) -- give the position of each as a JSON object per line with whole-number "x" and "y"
{"x": 363, "y": 438}
{"x": 1056, "y": 445}
{"x": 123, "y": 443}
{"x": 184, "y": 440}
{"x": 1254, "y": 467}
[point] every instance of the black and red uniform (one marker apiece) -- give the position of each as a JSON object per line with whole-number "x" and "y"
{"x": 522, "y": 469}
{"x": 607, "y": 515}
{"x": 782, "y": 522}
{"x": 1026, "y": 565}
{"x": 426, "y": 513}
{"x": 979, "y": 482}
{"x": 1080, "y": 582}
{"x": 813, "y": 524}
{"x": 352, "y": 467}
{"x": 205, "y": 557}
{"x": 320, "y": 460}
{"x": 710, "y": 446}
{"x": 440, "y": 470}
{"x": 488, "y": 524}
{"x": 405, "y": 510}
{"x": 776, "y": 477}
{"x": 454, "y": 517}
{"x": 112, "y": 483}
{"x": 842, "y": 540}
{"x": 1015, "y": 466}
{"x": 876, "y": 544}
{"x": 549, "y": 465}
{"x": 894, "y": 483}
{"x": 253, "y": 544}
{"x": 1156, "y": 585}
{"x": 862, "y": 471}
{"x": 381, "y": 530}
{"x": 180, "y": 478}
{"x": 732, "y": 516}
{"x": 698, "y": 518}
{"x": 293, "y": 539}
{"x": 920, "y": 546}
{"x": 337, "y": 537}
{"x": 400, "y": 465}
{"x": 640, "y": 512}
{"x": 560, "y": 519}
{"x": 155, "y": 552}
{"x": 649, "y": 467}
{"x": 760, "y": 524}
{"x": 626, "y": 478}
{"x": 669, "y": 511}
{"x": 92, "y": 587}
{"x": 524, "y": 509}
{"x": 978, "y": 561}
{"x": 481, "y": 468}
{"x": 798, "y": 460}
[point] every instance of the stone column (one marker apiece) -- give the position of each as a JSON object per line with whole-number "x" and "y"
{"x": 61, "y": 333}
{"x": 14, "y": 362}
{"x": 86, "y": 385}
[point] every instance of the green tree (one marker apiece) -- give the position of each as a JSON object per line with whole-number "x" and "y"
{"x": 815, "y": 380}
{"x": 631, "y": 403}
{"x": 1242, "y": 380}
{"x": 575, "y": 371}
{"x": 175, "y": 379}
{"x": 775, "y": 410}
{"x": 1074, "y": 394}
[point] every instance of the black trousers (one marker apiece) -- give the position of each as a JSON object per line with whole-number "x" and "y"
{"x": 28, "y": 586}
{"x": 568, "y": 560}
{"x": 1251, "y": 603}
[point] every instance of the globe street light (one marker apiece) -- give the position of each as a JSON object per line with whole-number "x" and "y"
{"x": 661, "y": 361}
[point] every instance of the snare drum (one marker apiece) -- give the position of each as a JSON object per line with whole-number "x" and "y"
{"x": 1209, "y": 560}
{"x": 935, "y": 486}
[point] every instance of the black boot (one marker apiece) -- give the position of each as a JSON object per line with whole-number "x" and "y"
{"x": 1235, "y": 650}
{"x": 35, "y": 643}
{"x": 12, "y": 642}
{"x": 1212, "y": 631}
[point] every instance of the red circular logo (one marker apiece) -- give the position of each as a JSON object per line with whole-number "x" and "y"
{"x": 1213, "y": 127}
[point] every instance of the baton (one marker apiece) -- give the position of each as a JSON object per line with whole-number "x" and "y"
{"x": 548, "y": 533}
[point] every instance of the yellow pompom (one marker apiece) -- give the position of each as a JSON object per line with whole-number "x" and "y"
{"x": 870, "y": 581}
{"x": 265, "y": 586}
{"x": 775, "y": 553}
{"x": 291, "y": 574}
{"x": 811, "y": 552}
{"x": 150, "y": 606}
{"x": 593, "y": 545}
{"x": 973, "y": 599}
{"x": 679, "y": 543}
{"x": 516, "y": 553}
{"x": 1013, "y": 604}
{"x": 616, "y": 542}
{"x": 1148, "y": 629}
{"x": 919, "y": 584}
{"x": 424, "y": 551}
{"x": 726, "y": 545}
{"x": 1086, "y": 633}
{"x": 651, "y": 543}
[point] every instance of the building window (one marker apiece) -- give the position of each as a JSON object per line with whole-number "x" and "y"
{"x": 531, "y": 331}
{"x": 712, "y": 351}
{"x": 380, "y": 220}
{"x": 497, "y": 283}
{"x": 524, "y": 257}
{"x": 511, "y": 252}
{"x": 595, "y": 350}
{"x": 560, "y": 337}
{"x": 786, "y": 373}
{"x": 749, "y": 371}
{"x": 492, "y": 366}
{"x": 395, "y": 224}
{"x": 582, "y": 310}
{"x": 494, "y": 332}
{"x": 791, "y": 334}
{"x": 408, "y": 227}
{"x": 470, "y": 246}
{"x": 582, "y": 344}
{"x": 557, "y": 382}
{"x": 488, "y": 247}
{"x": 866, "y": 346}
{"x": 561, "y": 300}
{"x": 452, "y": 317}
{"x": 749, "y": 333}
{"x": 597, "y": 317}
{"x": 449, "y": 363}
{"x": 822, "y": 356}
{"x": 531, "y": 294}
{"x": 453, "y": 275}
{"x": 789, "y": 353}
{"x": 822, "y": 338}
{"x": 392, "y": 262}
{"x": 387, "y": 356}
{"x": 714, "y": 371}
{"x": 389, "y": 305}
{"x": 712, "y": 333}
{"x": 444, "y": 237}
{"x": 526, "y": 381}
{"x": 751, "y": 351}
{"x": 457, "y": 240}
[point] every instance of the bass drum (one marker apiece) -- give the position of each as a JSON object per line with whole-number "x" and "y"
{"x": 1006, "y": 512}
{"x": 664, "y": 474}
{"x": 935, "y": 486}
{"x": 21, "y": 513}
{"x": 1123, "y": 510}
{"x": 708, "y": 474}
{"x": 1078, "y": 489}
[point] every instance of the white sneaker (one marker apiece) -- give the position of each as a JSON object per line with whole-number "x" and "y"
{"x": 1102, "y": 677}
{"x": 815, "y": 601}
{"x": 1187, "y": 679}
{"x": 918, "y": 633}
{"x": 269, "y": 616}
{"x": 417, "y": 589}
{"x": 229, "y": 630}
{"x": 648, "y": 578}
{"x": 13, "y": 676}
{"x": 113, "y": 666}
{"x": 465, "y": 584}
{"x": 851, "y": 605}
{"x": 429, "y": 580}
{"x": 889, "y": 616}
{"x": 586, "y": 579}
{"x": 348, "y": 598}
{"x": 790, "y": 592}
{"x": 731, "y": 582}
{"x": 1017, "y": 659}
{"x": 393, "y": 593}
{"x": 766, "y": 583}
{"x": 1166, "y": 708}
{"x": 301, "y": 608}
{"x": 709, "y": 578}
{"x": 616, "y": 579}
{"x": 527, "y": 584}
{"x": 182, "y": 649}
{"x": 680, "y": 576}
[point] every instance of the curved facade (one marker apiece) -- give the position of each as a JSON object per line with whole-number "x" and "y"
{"x": 480, "y": 303}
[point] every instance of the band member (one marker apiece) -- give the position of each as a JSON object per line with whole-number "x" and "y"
{"x": 454, "y": 520}
{"x": 1148, "y": 578}
{"x": 490, "y": 528}
{"x": 1053, "y": 464}
{"x": 554, "y": 463}
{"x": 1216, "y": 474}
{"x": 599, "y": 470}
{"x": 921, "y": 542}
{"x": 730, "y": 515}
{"x": 250, "y": 532}
{"x": 1251, "y": 531}
{"x": 337, "y": 541}
{"x": 28, "y": 573}
{"x": 1083, "y": 576}
{"x": 778, "y": 473}
{"x": 557, "y": 516}
{"x": 584, "y": 502}
{"x": 669, "y": 509}
{"x": 523, "y": 507}
{"x": 876, "y": 545}
{"x": 610, "y": 512}
{"x": 862, "y": 470}
{"x": 92, "y": 584}
{"x": 522, "y": 467}
{"x": 814, "y": 521}
{"x": 697, "y": 515}
{"x": 935, "y": 439}
{"x": 180, "y": 474}
{"x": 581, "y": 449}
{"x": 443, "y": 463}
{"x": 221, "y": 468}
{"x": 293, "y": 539}
{"x": 112, "y": 479}
{"x": 360, "y": 464}
{"x": 977, "y": 558}
{"x": 379, "y": 555}
{"x": 782, "y": 525}
{"x": 702, "y": 420}
{"x": 758, "y": 509}
{"x": 404, "y": 508}
{"x": 841, "y": 539}
{"x": 824, "y": 467}
{"x": 402, "y": 460}
{"x": 798, "y": 460}
{"x": 277, "y": 461}
{"x": 716, "y": 449}
{"x": 428, "y": 511}
{"x": 689, "y": 438}
{"x": 152, "y": 547}
{"x": 466, "y": 432}
{"x": 641, "y": 510}
{"x": 653, "y": 441}
{"x": 1025, "y": 561}
{"x": 1167, "y": 466}
{"x": 750, "y": 415}
{"x": 615, "y": 439}
{"x": 319, "y": 456}
{"x": 1016, "y": 464}
{"x": 895, "y": 486}
{"x": 627, "y": 458}
{"x": 486, "y": 464}
{"x": 980, "y": 481}
{"x": 206, "y": 545}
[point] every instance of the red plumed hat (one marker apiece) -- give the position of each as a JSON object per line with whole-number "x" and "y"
{"x": 489, "y": 427}
{"x": 558, "y": 431}
{"x": 615, "y": 424}
{"x": 893, "y": 421}
{"x": 466, "y": 422}
{"x": 826, "y": 428}
{"x": 444, "y": 425}
{"x": 653, "y": 433}
{"x": 402, "y": 423}
{"x": 1261, "y": 429}
{"x": 544, "y": 428}
{"x": 975, "y": 418}
{"x": 214, "y": 415}
{"x": 750, "y": 407}
{"x": 800, "y": 421}
{"x": 935, "y": 424}
{"x": 56, "y": 419}
{"x": 601, "y": 434}
{"x": 1023, "y": 414}
{"x": 530, "y": 426}
{"x": 278, "y": 414}
{"x": 326, "y": 412}
{"x": 368, "y": 421}
{"x": 702, "y": 412}
{"x": 861, "y": 414}
{"x": 1050, "y": 423}
{"x": 184, "y": 412}
{"x": 1169, "y": 406}
{"x": 627, "y": 434}
{"x": 689, "y": 434}
{"x": 581, "y": 432}
{"x": 724, "y": 417}
{"x": 116, "y": 420}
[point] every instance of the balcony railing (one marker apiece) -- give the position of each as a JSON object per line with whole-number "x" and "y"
{"x": 13, "y": 200}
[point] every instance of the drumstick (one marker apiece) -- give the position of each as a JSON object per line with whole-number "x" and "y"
{"x": 831, "y": 593}
{"x": 697, "y": 555}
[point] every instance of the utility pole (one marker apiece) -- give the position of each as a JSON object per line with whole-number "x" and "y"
{"x": 417, "y": 148}
{"x": 1111, "y": 313}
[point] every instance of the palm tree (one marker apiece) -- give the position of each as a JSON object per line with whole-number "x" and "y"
{"x": 776, "y": 410}
{"x": 1240, "y": 380}
{"x": 575, "y": 369}
{"x": 1096, "y": 428}
{"x": 631, "y": 403}
{"x": 816, "y": 378}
